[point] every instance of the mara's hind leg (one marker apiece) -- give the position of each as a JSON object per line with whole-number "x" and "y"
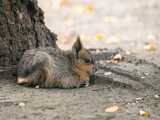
{"x": 33, "y": 68}
{"x": 32, "y": 79}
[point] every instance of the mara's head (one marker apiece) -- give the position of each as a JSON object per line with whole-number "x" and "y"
{"x": 83, "y": 61}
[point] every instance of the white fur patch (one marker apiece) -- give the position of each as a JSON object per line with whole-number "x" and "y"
{"x": 21, "y": 80}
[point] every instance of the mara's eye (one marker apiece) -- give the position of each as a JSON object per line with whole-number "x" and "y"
{"x": 91, "y": 61}
{"x": 87, "y": 60}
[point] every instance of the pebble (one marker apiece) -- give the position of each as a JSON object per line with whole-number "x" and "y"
{"x": 21, "y": 104}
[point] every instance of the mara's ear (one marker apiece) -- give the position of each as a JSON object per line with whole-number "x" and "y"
{"x": 77, "y": 46}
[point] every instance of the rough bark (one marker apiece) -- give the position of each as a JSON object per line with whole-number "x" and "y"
{"x": 21, "y": 27}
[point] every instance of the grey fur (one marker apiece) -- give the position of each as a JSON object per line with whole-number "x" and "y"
{"x": 48, "y": 67}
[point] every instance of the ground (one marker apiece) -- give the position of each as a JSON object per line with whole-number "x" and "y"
{"x": 133, "y": 84}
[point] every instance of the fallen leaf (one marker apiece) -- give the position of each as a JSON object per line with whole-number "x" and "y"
{"x": 117, "y": 57}
{"x": 100, "y": 36}
{"x": 112, "y": 109}
{"x": 144, "y": 113}
{"x": 64, "y": 3}
{"x": 89, "y": 7}
{"x": 151, "y": 47}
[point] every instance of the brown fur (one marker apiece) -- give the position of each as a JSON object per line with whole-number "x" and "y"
{"x": 50, "y": 67}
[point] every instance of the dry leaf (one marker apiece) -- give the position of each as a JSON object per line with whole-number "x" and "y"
{"x": 100, "y": 36}
{"x": 144, "y": 113}
{"x": 117, "y": 57}
{"x": 64, "y": 2}
{"x": 112, "y": 109}
{"x": 89, "y": 8}
{"x": 151, "y": 47}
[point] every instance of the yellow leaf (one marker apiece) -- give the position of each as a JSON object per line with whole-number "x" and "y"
{"x": 144, "y": 113}
{"x": 100, "y": 36}
{"x": 151, "y": 47}
{"x": 64, "y": 2}
{"x": 112, "y": 109}
{"x": 89, "y": 8}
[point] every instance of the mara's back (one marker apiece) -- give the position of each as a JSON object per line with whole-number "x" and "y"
{"x": 46, "y": 67}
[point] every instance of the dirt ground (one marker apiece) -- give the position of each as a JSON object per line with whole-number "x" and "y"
{"x": 133, "y": 84}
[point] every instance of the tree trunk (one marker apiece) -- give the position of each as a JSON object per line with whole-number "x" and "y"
{"x": 21, "y": 27}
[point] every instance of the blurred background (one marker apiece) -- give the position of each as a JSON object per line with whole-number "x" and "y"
{"x": 133, "y": 25}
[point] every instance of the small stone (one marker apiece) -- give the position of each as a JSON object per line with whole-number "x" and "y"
{"x": 142, "y": 77}
{"x": 147, "y": 74}
{"x": 37, "y": 86}
{"x": 112, "y": 109}
{"x": 21, "y": 104}
{"x": 139, "y": 99}
{"x": 157, "y": 96}
{"x": 107, "y": 73}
